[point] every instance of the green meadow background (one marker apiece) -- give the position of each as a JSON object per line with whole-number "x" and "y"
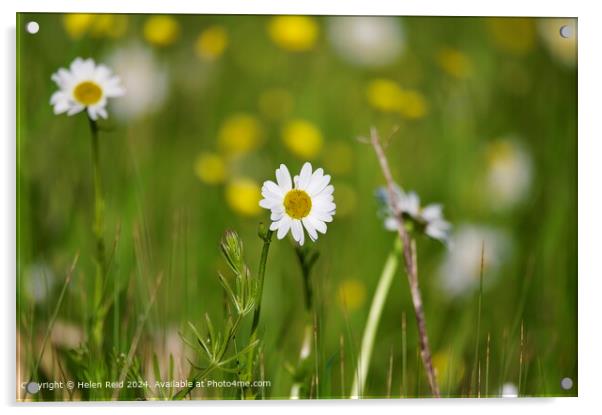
{"x": 486, "y": 117}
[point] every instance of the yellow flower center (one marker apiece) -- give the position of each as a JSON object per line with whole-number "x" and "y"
{"x": 297, "y": 204}
{"x": 87, "y": 93}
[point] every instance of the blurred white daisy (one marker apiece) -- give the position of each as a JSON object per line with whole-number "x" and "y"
{"x": 509, "y": 390}
{"x": 85, "y": 86}
{"x": 145, "y": 79}
{"x": 461, "y": 269}
{"x": 39, "y": 281}
{"x": 428, "y": 219}
{"x": 509, "y": 173}
{"x": 367, "y": 41}
{"x": 308, "y": 204}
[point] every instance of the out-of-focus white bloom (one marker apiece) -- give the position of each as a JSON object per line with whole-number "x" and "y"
{"x": 85, "y": 86}
{"x": 367, "y": 41}
{"x": 430, "y": 218}
{"x": 509, "y": 173}
{"x": 39, "y": 281}
{"x": 145, "y": 79}
{"x": 460, "y": 271}
{"x": 563, "y": 49}
{"x": 509, "y": 390}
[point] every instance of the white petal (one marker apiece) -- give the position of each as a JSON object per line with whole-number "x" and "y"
{"x": 276, "y": 215}
{"x": 323, "y": 206}
{"x": 432, "y": 212}
{"x": 328, "y": 190}
{"x": 304, "y": 176}
{"x": 436, "y": 232}
{"x": 269, "y": 203}
{"x": 319, "y": 225}
{"x": 270, "y": 188}
{"x": 311, "y": 230}
{"x": 74, "y": 109}
{"x": 410, "y": 204}
{"x": 284, "y": 178}
{"x": 285, "y": 225}
{"x": 102, "y": 112}
{"x": 274, "y": 225}
{"x": 316, "y": 185}
{"x": 323, "y": 216}
{"x": 93, "y": 113}
{"x": 297, "y": 230}
{"x": 391, "y": 223}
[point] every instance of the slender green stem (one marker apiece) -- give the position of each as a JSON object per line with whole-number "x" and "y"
{"x": 266, "y": 235}
{"x": 267, "y": 239}
{"x": 307, "y": 259}
{"x": 376, "y": 309}
{"x": 98, "y": 230}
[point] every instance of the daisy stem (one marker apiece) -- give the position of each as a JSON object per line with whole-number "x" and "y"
{"x": 411, "y": 266}
{"x": 376, "y": 309}
{"x": 98, "y": 228}
{"x": 307, "y": 258}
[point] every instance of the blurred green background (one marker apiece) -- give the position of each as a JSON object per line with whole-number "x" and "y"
{"x": 487, "y": 116}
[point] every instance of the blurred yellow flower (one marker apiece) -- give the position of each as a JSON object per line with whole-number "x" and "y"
{"x": 210, "y": 168}
{"x": 351, "y": 294}
{"x": 387, "y": 96}
{"x": 211, "y": 43}
{"x": 276, "y": 103}
{"x": 449, "y": 368}
{"x": 293, "y": 33}
{"x": 239, "y": 134}
{"x": 384, "y": 95}
{"x": 454, "y": 62}
{"x": 302, "y": 138}
{"x": 109, "y": 25}
{"x": 77, "y": 24}
{"x": 338, "y": 157}
{"x": 98, "y": 25}
{"x": 161, "y": 30}
{"x": 243, "y": 195}
{"x": 515, "y": 35}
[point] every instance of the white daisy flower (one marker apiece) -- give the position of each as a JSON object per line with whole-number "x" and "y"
{"x": 85, "y": 86}
{"x": 309, "y": 203}
{"x": 145, "y": 78}
{"x": 429, "y": 218}
{"x": 368, "y": 41}
{"x": 460, "y": 271}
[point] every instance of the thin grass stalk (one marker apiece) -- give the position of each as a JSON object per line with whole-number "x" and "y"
{"x": 487, "y": 366}
{"x": 390, "y": 374}
{"x": 55, "y": 313}
{"x": 137, "y": 336}
{"x": 342, "y": 362}
{"x": 476, "y": 367}
{"x": 520, "y": 359}
{"x": 404, "y": 355}
{"x": 378, "y": 302}
{"x": 409, "y": 254}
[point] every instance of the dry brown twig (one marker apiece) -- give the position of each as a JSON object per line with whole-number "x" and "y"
{"x": 410, "y": 262}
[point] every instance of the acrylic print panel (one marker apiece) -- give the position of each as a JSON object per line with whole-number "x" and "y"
{"x": 283, "y": 207}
